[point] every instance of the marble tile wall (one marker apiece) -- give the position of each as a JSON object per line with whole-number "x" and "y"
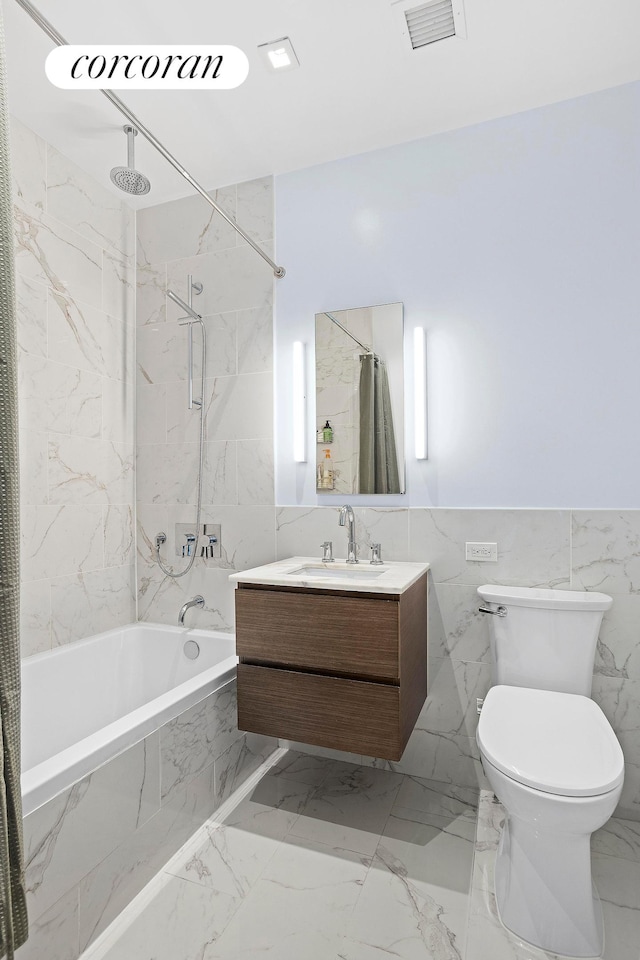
{"x": 173, "y": 240}
{"x": 92, "y": 848}
{"x": 76, "y": 334}
{"x": 579, "y": 549}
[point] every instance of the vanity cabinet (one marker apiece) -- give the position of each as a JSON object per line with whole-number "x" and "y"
{"x": 334, "y": 668}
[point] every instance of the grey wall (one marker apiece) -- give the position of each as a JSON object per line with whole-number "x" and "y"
{"x": 516, "y": 244}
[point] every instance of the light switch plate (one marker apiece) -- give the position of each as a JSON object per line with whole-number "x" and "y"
{"x": 481, "y": 551}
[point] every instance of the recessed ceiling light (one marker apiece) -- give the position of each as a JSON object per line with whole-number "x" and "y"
{"x": 279, "y": 54}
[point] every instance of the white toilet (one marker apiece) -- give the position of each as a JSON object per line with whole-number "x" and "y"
{"x": 552, "y": 760}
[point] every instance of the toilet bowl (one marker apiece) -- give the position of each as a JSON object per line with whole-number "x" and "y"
{"x": 551, "y": 758}
{"x": 554, "y": 762}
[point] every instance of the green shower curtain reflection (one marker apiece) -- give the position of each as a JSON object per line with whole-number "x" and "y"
{"x": 378, "y": 461}
{"x": 13, "y": 911}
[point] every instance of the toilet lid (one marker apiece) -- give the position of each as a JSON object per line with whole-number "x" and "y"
{"x": 555, "y": 742}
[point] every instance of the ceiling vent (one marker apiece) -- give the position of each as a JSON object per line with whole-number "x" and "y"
{"x": 430, "y": 22}
{"x": 425, "y": 23}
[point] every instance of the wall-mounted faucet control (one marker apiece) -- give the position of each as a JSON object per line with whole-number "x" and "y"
{"x": 203, "y": 543}
{"x": 210, "y": 546}
{"x": 376, "y": 554}
{"x": 327, "y": 551}
{"x": 188, "y": 548}
{"x": 186, "y": 539}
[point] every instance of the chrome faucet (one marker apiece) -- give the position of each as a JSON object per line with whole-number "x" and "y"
{"x": 346, "y": 513}
{"x": 195, "y": 602}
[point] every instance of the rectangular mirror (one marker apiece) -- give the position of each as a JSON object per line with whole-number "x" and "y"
{"x": 360, "y": 400}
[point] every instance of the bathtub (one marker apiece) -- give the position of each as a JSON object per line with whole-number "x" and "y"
{"x": 107, "y": 693}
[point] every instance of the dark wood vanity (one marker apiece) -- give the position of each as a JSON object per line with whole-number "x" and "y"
{"x": 331, "y": 667}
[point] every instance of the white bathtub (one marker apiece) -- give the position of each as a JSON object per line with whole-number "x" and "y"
{"x": 107, "y": 693}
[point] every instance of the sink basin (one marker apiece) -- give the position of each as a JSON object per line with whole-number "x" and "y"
{"x": 329, "y": 572}
{"x": 393, "y": 577}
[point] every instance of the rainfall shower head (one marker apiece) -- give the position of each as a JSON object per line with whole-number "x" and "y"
{"x": 128, "y": 178}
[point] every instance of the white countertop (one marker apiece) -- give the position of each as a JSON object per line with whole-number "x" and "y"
{"x": 393, "y": 577}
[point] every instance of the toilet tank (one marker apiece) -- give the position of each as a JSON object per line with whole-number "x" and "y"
{"x": 547, "y": 639}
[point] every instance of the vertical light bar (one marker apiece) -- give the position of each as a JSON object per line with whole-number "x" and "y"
{"x": 299, "y": 403}
{"x": 420, "y": 393}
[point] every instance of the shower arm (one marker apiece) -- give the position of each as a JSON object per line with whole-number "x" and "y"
{"x": 59, "y": 40}
{"x": 131, "y": 133}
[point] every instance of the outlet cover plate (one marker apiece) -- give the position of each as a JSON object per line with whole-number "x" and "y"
{"x": 483, "y": 552}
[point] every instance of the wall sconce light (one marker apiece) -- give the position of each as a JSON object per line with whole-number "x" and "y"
{"x": 420, "y": 393}
{"x": 299, "y": 403}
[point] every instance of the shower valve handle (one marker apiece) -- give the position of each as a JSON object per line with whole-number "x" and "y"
{"x": 187, "y": 548}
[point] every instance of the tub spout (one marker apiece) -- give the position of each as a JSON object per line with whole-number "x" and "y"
{"x": 195, "y": 602}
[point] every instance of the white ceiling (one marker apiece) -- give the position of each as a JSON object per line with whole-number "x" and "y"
{"x": 356, "y": 89}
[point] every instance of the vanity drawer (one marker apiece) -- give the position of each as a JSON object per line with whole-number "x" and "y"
{"x": 351, "y": 715}
{"x": 353, "y": 635}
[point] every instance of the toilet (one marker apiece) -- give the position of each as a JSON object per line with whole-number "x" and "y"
{"x": 552, "y": 760}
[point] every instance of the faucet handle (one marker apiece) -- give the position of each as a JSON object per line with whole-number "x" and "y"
{"x": 208, "y": 542}
{"x": 188, "y": 548}
{"x": 327, "y": 551}
{"x": 376, "y": 553}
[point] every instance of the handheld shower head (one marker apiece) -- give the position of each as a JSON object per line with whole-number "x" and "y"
{"x": 128, "y": 178}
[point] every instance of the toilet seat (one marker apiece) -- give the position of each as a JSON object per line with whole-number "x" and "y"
{"x": 559, "y": 743}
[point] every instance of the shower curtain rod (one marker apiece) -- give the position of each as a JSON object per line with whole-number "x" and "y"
{"x": 59, "y": 40}
{"x": 368, "y": 350}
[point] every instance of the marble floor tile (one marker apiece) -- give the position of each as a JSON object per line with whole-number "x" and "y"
{"x": 304, "y": 767}
{"x": 182, "y": 922}
{"x": 350, "y": 808}
{"x": 415, "y": 898}
{"x": 324, "y": 860}
{"x": 234, "y": 855}
{"x": 349, "y": 949}
{"x": 440, "y": 799}
{"x": 300, "y": 907}
{"x": 272, "y": 807}
{"x": 618, "y": 883}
